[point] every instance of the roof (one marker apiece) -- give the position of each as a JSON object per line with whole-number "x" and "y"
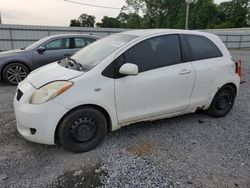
{"x": 145, "y": 32}
{"x": 155, "y": 32}
{"x": 72, "y": 35}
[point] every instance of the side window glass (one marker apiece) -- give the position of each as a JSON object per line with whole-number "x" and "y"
{"x": 80, "y": 42}
{"x": 58, "y": 44}
{"x": 154, "y": 53}
{"x": 53, "y": 45}
{"x": 65, "y": 43}
{"x": 202, "y": 48}
{"x": 89, "y": 41}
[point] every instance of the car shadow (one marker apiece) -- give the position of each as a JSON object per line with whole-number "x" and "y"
{"x": 173, "y": 124}
{"x": 2, "y": 84}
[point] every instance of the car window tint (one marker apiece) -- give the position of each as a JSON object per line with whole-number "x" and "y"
{"x": 53, "y": 45}
{"x": 154, "y": 53}
{"x": 65, "y": 43}
{"x": 58, "y": 44}
{"x": 82, "y": 42}
{"x": 89, "y": 41}
{"x": 202, "y": 48}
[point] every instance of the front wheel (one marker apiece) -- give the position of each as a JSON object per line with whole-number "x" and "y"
{"x": 15, "y": 73}
{"x": 222, "y": 102}
{"x": 82, "y": 129}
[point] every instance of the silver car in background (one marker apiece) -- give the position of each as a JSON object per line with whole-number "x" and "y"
{"x": 15, "y": 65}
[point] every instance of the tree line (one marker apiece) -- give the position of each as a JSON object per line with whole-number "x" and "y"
{"x": 204, "y": 14}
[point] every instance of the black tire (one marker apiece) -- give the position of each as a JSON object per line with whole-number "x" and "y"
{"x": 223, "y": 102}
{"x": 82, "y": 129}
{"x": 14, "y": 73}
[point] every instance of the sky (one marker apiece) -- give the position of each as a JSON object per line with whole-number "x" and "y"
{"x": 54, "y": 12}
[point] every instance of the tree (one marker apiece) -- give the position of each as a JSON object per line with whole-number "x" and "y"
{"x": 75, "y": 23}
{"x": 84, "y": 20}
{"x": 109, "y": 22}
{"x": 180, "y": 18}
{"x": 131, "y": 20}
{"x": 135, "y": 21}
{"x": 87, "y": 20}
{"x": 203, "y": 14}
{"x": 234, "y": 13}
{"x": 157, "y": 13}
{"x": 123, "y": 20}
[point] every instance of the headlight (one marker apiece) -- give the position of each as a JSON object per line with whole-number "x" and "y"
{"x": 50, "y": 91}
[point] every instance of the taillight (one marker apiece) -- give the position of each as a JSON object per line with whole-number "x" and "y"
{"x": 239, "y": 69}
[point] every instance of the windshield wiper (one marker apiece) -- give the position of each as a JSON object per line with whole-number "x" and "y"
{"x": 79, "y": 65}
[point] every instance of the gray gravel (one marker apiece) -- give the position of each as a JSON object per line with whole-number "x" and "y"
{"x": 188, "y": 151}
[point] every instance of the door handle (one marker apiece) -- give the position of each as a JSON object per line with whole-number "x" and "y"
{"x": 185, "y": 71}
{"x": 67, "y": 55}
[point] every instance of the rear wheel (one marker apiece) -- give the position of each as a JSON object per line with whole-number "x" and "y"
{"x": 82, "y": 129}
{"x": 222, "y": 102}
{"x": 15, "y": 73}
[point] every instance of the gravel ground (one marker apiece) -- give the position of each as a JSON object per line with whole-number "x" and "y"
{"x": 188, "y": 151}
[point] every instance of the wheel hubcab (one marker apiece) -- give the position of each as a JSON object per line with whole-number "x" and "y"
{"x": 16, "y": 74}
{"x": 83, "y": 129}
{"x": 223, "y": 101}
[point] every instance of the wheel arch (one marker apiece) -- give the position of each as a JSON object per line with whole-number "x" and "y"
{"x": 214, "y": 93}
{"x": 97, "y": 107}
{"x": 211, "y": 110}
{"x": 233, "y": 85}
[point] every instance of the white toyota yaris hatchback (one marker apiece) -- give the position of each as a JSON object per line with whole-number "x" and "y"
{"x": 139, "y": 75}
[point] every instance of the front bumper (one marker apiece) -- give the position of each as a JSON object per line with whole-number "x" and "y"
{"x": 37, "y": 123}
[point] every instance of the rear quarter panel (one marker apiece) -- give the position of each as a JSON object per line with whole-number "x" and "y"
{"x": 211, "y": 75}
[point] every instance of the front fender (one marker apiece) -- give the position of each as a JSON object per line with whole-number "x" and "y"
{"x": 91, "y": 88}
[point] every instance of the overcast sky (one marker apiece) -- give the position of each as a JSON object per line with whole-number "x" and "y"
{"x": 54, "y": 12}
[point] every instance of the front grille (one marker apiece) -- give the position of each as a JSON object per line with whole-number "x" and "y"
{"x": 19, "y": 94}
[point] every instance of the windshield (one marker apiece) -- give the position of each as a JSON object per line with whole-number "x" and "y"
{"x": 93, "y": 54}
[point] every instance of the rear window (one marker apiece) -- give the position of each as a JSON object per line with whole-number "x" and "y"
{"x": 81, "y": 42}
{"x": 202, "y": 48}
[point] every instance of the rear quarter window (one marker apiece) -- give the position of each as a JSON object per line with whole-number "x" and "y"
{"x": 201, "y": 47}
{"x": 81, "y": 42}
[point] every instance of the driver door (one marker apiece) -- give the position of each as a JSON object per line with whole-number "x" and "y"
{"x": 163, "y": 86}
{"x": 54, "y": 50}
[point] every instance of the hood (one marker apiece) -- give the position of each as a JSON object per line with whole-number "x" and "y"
{"x": 11, "y": 52}
{"x": 49, "y": 73}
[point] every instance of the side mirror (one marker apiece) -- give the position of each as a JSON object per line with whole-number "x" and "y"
{"x": 41, "y": 49}
{"x": 129, "y": 69}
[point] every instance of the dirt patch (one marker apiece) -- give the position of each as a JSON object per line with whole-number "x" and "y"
{"x": 87, "y": 177}
{"x": 140, "y": 149}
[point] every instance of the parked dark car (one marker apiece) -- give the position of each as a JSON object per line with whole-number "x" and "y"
{"x": 15, "y": 65}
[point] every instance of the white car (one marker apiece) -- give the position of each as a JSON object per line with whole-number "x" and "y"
{"x": 139, "y": 75}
